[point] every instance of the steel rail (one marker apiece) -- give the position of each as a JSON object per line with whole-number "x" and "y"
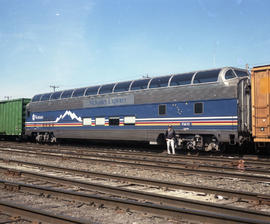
{"x": 37, "y": 215}
{"x": 230, "y": 161}
{"x": 187, "y": 168}
{"x": 167, "y": 210}
{"x": 261, "y": 198}
{"x": 265, "y": 162}
{"x": 154, "y": 162}
{"x": 157, "y": 198}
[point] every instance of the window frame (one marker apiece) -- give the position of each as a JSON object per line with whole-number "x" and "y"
{"x": 121, "y": 90}
{"x": 139, "y": 87}
{"x": 47, "y": 98}
{"x": 157, "y": 81}
{"x": 104, "y": 86}
{"x": 86, "y": 121}
{"x": 159, "y": 109}
{"x": 78, "y": 90}
{"x": 230, "y": 70}
{"x": 194, "y": 109}
{"x": 112, "y": 119}
{"x": 103, "y": 123}
{"x": 128, "y": 122}
{"x": 60, "y": 93}
{"x": 174, "y": 83}
{"x": 237, "y": 72}
{"x": 205, "y": 72}
{"x": 92, "y": 88}
{"x": 36, "y": 96}
{"x": 70, "y": 90}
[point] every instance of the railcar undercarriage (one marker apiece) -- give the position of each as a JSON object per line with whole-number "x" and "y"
{"x": 198, "y": 142}
{"x": 44, "y": 137}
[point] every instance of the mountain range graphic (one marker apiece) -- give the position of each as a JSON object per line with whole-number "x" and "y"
{"x": 70, "y": 114}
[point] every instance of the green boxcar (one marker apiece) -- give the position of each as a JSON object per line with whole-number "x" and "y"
{"x": 12, "y": 117}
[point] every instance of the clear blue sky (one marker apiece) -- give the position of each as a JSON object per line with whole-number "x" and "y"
{"x": 77, "y": 43}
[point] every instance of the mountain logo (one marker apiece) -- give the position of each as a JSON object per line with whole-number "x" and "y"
{"x": 70, "y": 114}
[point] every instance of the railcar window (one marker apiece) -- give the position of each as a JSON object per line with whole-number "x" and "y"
{"x": 100, "y": 121}
{"x": 45, "y": 97}
{"x": 129, "y": 120}
{"x": 241, "y": 73}
{"x": 67, "y": 94}
{"x": 36, "y": 98}
{"x": 162, "y": 109}
{"x": 207, "y": 76}
{"x": 92, "y": 91}
{"x": 87, "y": 121}
{"x": 229, "y": 75}
{"x": 106, "y": 89}
{"x": 181, "y": 79}
{"x": 56, "y": 95}
{"x": 122, "y": 86}
{"x": 115, "y": 121}
{"x": 78, "y": 92}
{"x": 140, "y": 84}
{"x": 198, "y": 108}
{"x": 159, "y": 82}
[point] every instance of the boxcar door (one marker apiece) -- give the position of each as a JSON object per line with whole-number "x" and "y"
{"x": 260, "y": 103}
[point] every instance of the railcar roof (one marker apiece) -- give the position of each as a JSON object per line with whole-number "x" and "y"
{"x": 189, "y": 78}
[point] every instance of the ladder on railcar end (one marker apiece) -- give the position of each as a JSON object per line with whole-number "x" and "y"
{"x": 260, "y": 90}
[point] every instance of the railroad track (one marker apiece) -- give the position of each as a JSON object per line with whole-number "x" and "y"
{"x": 144, "y": 161}
{"x": 258, "y": 198}
{"x": 202, "y": 216}
{"x": 182, "y": 161}
{"x": 154, "y": 203}
{"x": 17, "y": 212}
{"x": 249, "y": 174}
{"x": 130, "y": 150}
{"x": 230, "y": 161}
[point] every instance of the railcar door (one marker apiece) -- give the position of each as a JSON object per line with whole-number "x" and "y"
{"x": 260, "y": 86}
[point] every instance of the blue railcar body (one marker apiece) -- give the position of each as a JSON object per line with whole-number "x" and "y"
{"x": 211, "y": 111}
{"x": 222, "y": 113}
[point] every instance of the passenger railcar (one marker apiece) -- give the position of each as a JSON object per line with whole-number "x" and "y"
{"x": 206, "y": 108}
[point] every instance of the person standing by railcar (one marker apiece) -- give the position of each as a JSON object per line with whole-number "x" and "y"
{"x": 170, "y": 139}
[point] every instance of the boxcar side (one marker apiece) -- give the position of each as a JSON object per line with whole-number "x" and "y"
{"x": 260, "y": 87}
{"x": 12, "y": 117}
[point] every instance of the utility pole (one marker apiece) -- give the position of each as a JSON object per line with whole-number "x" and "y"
{"x": 54, "y": 87}
{"x": 146, "y": 76}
